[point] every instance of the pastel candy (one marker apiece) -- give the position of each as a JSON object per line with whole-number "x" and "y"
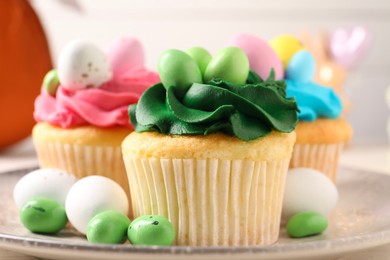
{"x": 51, "y": 82}
{"x": 42, "y": 215}
{"x": 301, "y": 67}
{"x": 82, "y": 65}
{"x": 285, "y": 47}
{"x": 262, "y": 58}
{"x": 306, "y": 224}
{"x": 151, "y": 230}
{"x": 177, "y": 68}
{"x": 108, "y": 227}
{"x": 230, "y": 64}
{"x": 125, "y": 54}
{"x": 201, "y": 56}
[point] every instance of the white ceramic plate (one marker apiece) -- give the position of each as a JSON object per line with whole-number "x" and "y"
{"x": 361, "y": 220}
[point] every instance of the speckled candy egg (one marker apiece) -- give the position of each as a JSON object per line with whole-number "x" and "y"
{"x": 262, "y": 58}
{"x": 47, "y": 183}
{"x": 308, "y": 190}
{"x": 82, "y": 65}
{"x": 92, "y": 195}
{"x": 151, "y": 230}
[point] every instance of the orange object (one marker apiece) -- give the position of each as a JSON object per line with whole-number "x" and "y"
{"x": 24, "y": 60}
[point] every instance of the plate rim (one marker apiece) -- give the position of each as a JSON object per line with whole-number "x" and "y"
{"x": 342, "y": 244}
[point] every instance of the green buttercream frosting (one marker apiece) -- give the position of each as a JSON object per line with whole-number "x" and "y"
{"x": 247, "y": 111}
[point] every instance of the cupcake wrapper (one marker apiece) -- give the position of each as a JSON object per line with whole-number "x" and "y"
{"x": 83, "y": 160}
{"x": 323, "y": 157}
{"x": 211, "y": 202}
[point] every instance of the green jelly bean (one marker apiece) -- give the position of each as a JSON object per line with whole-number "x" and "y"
{"x": 305, "y": 224}
{"x": 108, "y": 227}
{"x": 201, "y": 56}
{"x": 151, "y": 230}
{"x": 231, "y": 64}
{"x": 51, "y": 82}
{"x": 42, "y": 215}
{"x": 177, "y": 68}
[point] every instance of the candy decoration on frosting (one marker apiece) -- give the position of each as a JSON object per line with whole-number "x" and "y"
{"x": 306, "y": 224}
{"x": 82, "y": 65}
{"x": 108, "y": 227}
{"x": 42, "y": 215}
{"x": 285, "y": 47}
{"x": 230, "y": 64}
{"x": 151, "y": 230}
{"x": 125, "y": 54}
{"x": 301, "y": 67}
{"x": 308, "y": 190}
{"x": 201, "y": 56}
{"x": 177, "y": 68}
{"x": 262, "y": 58}
{"x": 92, "y": 195}
{"x": 51, "y": 82}
{"x": 47, "y": 183}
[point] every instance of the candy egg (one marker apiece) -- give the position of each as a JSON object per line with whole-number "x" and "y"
{"x": 177, "y": 68}
{"x": 125, "y": 54}
{"x": 201, "y": 56}
{"x": 230, "y": 63}
{"x": 42, "y": 215}
{"x": 285, "y": 47}
{"x": 51, "y": 82}
{"x": 262, "y": 58}
{"x": 151, "y": 230}
{"x": 108, "y": 227}
{"x": 83, "y": 65}
{"x": 46, "y": 182}
{"x": 308, "y": 190}
{"x": 306, "y": 224}
{"x": 301, "y": 67}
{"x": 92, "y": 195}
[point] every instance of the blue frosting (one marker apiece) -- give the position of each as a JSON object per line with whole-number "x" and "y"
{"x": 314, "y": 100}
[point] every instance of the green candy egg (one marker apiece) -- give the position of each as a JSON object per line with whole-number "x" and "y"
{"x": 42, "y": 215}
{"x": 201, "y": 56}
{"x": 108, "y": 227}
{"x": 177, "y": 68}
{"x": 305, "y": 224}
{"x": 51, "y": 82}
{"x": 151, "y": 230}
{"x": 230, "y": 64}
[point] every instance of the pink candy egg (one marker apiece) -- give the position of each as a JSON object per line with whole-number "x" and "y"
{"x": 262, "y": 58}
{"x": 125, "y": 54}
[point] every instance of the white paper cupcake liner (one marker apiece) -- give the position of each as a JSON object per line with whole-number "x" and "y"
{"x": 84, "y": 160}
{"x": 323, "y": 157}
{"x": 211, "y": 202}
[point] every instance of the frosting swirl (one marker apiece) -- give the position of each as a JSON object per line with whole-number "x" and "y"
{"x": 314, "y": 100}
{"x": 105, "y": 106}
{"x": 247, "y": 111}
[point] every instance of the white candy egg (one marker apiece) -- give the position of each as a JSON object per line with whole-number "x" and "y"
{"x": 83, "y": 65}
{"x": 308, "y": 190}
{"x": 92, "y": 195}
{"x": 48, "y": 183}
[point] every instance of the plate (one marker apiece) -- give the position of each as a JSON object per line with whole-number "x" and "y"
{"x": 361, "y": 220}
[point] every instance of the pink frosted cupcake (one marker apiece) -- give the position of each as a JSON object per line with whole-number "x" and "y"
{"x": 82, "y": 114}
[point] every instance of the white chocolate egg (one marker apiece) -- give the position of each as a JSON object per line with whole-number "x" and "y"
{"x": 47, "y": 183}
{"x": 308, "y": 190}
{"x": 82, "y": 65}
{"x": 92, "y": 195}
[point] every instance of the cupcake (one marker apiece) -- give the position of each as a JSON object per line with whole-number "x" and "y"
{"x": 321, "y": 132}
{"x": 81, "y": 112}
{"x": 211, "y": 149}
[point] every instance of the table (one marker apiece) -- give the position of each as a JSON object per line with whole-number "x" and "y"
{"x": 370, "y": 157}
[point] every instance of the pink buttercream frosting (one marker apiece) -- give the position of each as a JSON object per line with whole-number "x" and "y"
{"x": 105, "y": 106}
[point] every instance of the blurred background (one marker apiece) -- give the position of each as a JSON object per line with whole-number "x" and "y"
{"x": 212, "y": 23}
